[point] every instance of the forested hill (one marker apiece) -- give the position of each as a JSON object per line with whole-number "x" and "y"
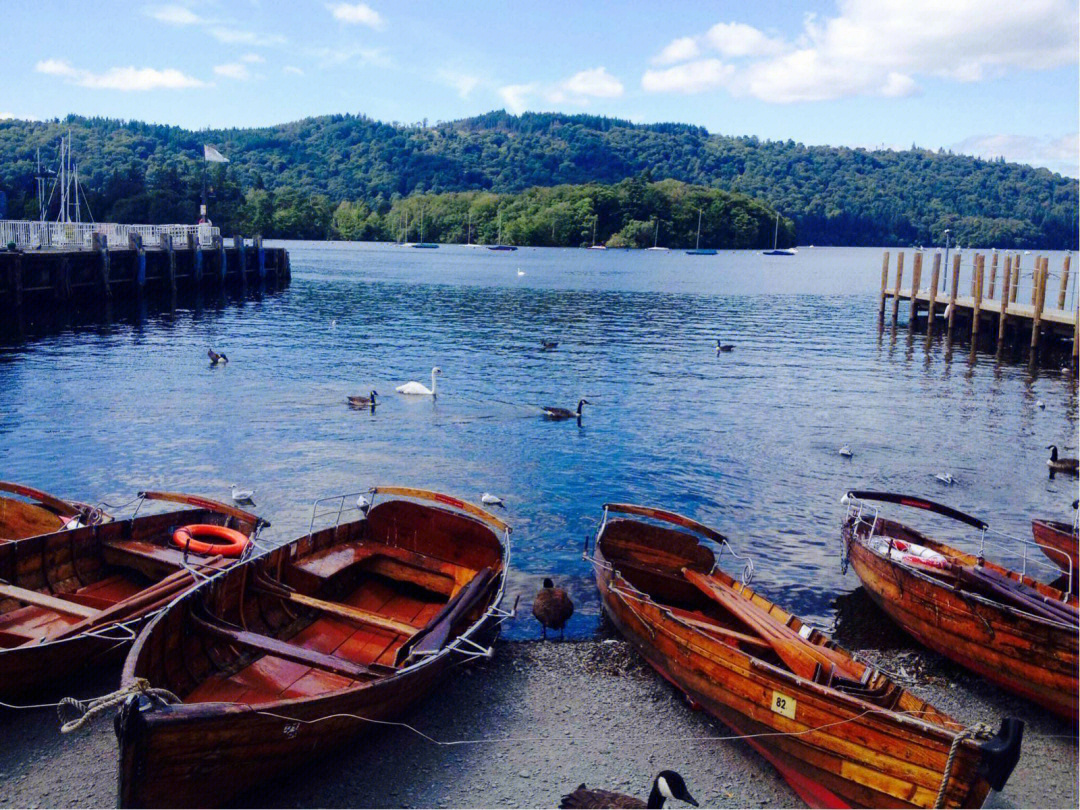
{"x": 138, "y": 172}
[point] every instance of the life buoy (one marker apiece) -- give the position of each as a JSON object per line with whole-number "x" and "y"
{"x": 184, "y": 539}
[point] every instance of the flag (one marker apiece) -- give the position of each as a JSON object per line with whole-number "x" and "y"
{"x": 212, "y": 155}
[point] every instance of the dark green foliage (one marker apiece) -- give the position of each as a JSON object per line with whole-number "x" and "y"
{"x": 289, "y": 180}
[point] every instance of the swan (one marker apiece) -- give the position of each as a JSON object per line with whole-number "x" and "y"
{"x": 420, "y": 389}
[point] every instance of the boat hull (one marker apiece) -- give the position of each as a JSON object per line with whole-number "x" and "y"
{"x": 1032, "y": 658}
{"x": 1059, "y": 542}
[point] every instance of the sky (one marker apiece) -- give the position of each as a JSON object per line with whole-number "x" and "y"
{"x": 981, "y": 77}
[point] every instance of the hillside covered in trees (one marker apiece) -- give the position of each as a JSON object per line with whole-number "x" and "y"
{"x": 346, "y": 176}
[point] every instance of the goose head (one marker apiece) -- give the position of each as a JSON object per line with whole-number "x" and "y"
{"x": 1053, "y": 451}
{"x": 548, "y": 584}
{"x": 670, "y": 785}
{"x": 373, "y": 395}
{"x": 580, "y": 403}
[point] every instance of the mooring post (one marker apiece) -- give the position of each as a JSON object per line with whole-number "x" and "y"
{"x": 1015, "y": 278}
{"x": 953, "y": 290}
{"x": 101, "y": 242}
{"x": 993, "y": 276}
{"x": 896, "y": 290}
{"x": 1006, "y": 281}
{"x": 135, "y": 243}
{"x": 934, "y": 276}
{"x": 884, "y": 284}
{"x": 1039, "y": 282}
{"x": 197, "y": 259}
{"x": 979, "y": 263}
{"x": 916, "y": 281}
{"x": 1064, "y": 281}
{"x": 260, "y": 255}
{"x": 223, "y": 264}
{"x": 1035, "y": 280}
{"x": 974, "y": 272}
{"x": 166, "y": 242}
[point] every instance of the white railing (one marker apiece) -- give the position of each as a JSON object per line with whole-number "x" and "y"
{"x": 32, "y": 235}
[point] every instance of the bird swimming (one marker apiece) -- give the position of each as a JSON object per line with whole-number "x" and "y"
{"x": 1040, "y": 405}
{"x": 1056, "y": 464}
{"x": 667, "y": 785}
{"x": 419, "y": 389}
{"x": 724, "y": 347}
{"x": 243, "y": 495}
{"x": 845, "y": 451}
{"x": 552, "y": 607}
{"x": 549, "y": 344}
{"x": 363, "y": 402}
{"x": 492, "y": 500}
{"x": 562, "y": 413}
{"x": 216, "y": 359}
{"x": 521, "y": 272}
{"x": 945, "y": 478}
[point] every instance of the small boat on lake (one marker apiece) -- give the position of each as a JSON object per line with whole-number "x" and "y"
{"x": 840, "y": 732}
{"x": 1059, "y": 541}
{"x": 698, "y": 249}
{"x": 36, "y": 512}
{"x": 76, "y": 598}
{"x": 283, "y": 658}
{"x": 775, "y": 250}
{"x": 1007, "y": 626}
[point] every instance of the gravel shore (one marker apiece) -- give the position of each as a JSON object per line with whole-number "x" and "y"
{"x": 565, "y": 713}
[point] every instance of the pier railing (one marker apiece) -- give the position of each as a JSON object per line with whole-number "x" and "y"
{"x": 34, "y": 235}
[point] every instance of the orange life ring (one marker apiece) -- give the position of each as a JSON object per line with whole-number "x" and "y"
{"x": 184, "y": 539}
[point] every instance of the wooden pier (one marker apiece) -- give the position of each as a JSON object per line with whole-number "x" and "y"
{"x": 31, "y": 280}
{"x": 999, "y": 295}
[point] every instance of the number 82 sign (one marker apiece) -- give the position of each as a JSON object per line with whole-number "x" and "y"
{"x": 783, "y": 704}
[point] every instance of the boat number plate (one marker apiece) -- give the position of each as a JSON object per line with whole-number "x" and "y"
{"x": 783, "y": 704}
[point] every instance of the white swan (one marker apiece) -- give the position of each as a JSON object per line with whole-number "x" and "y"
{"x": 419, "y": 388}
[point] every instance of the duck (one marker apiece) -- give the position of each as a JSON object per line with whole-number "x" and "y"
{"x": 419, "y": 389}
{"x": 363, "y": 402}
{"x": 552, "y": 607}
{"x": 216, "y": 359}
{"x": 492, "y": 500}
{"x": 243, "y": 495}
{"x": 845, "y": 451}
{"x": 1066, "y": 465}
{"x": 667, "y": 785}
{"x": 548, "y": 345}
{"x": 723, "y": 347}
{"x": 563, "y": 413}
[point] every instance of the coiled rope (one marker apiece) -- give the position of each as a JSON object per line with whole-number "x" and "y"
{"x": 977, "y": 730}
{"x": 74, "y": 714}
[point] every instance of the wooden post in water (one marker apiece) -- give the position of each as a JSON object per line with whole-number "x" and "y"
{"x": 1035, "y": 280}
{"x": 916, "y": 282}
{"x": 896, "y": 290}
{"x": 101, "y": 242}
{"x": 1015, "y": 278}
{"x": 993, "y": 276}
{"x": 933, "y": 294}
{"x": 135, "y": 243}
{"x": 884, "y": 284}
{"x": 953, "y": 289}
{"x": 977, "y": 277}
{"x": 1039, "y": 294}
{"x": 1064, "y": 281}
{"x": 1006, "y": 281}
{"x": 166, "y": 242}
{"x": 974, "y": 262}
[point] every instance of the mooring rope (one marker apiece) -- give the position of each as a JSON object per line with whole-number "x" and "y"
{"x": 85, "y": 711}
{"x": 977, "y": 730}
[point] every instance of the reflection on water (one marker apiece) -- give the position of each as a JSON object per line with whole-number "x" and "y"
{"x": 746, "y": 441}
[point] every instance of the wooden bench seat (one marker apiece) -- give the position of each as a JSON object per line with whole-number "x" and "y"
{"x": 309, "y": 573}
{"x": 151, "y": 559}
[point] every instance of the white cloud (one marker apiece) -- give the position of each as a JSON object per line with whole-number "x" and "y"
{"x": 334, "y": 57}
{"x": 293, "y": 69}
{"x": 693, "y": 77}
{"x": 595, "y": 83}
{"x": 231, "y": 36}
{"x": 119, "y": 78}
{"x": 5, "y": 116}
{"x": 356, "y": 14}
{"x": 233, "y": 70}
{"x": 174, "y": 15}
{"x": 1060, "y": 154}
{"x": 875, "y": 47}
{"x": 463, "y": 83}
{"x": 252, "y": 58}
{"x": 516, "y": 96}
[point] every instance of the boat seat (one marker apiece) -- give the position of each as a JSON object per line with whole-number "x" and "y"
{"x": 311, "y": 572}
{"x": 151, "y": 559}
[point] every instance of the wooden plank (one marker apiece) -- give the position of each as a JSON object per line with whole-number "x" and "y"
{"x": 346, "y": 612}
{"x": 48, "y": 602}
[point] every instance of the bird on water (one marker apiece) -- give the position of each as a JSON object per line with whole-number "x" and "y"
{"x": 552, "y": 608}
{"x": 667, "y": 785}
{"x": 243, "y": 495}
{"x": 723, "y": 347}
{"x": 492, "y": 500}
{"x": 1056, "y": 464}
{"x": 419, "y": 389}
{"x": 216, "y": 359}
{"x": 845, "y": 451}
{"x": 548, "y": 345}
{"x": 563, "y": 413}
{"x": 363, "y": 402}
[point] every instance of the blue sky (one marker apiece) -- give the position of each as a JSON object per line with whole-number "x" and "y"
{"x": 986, "y": 78}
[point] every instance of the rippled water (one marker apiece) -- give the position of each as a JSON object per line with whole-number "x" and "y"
{"x": 746, "y": 441}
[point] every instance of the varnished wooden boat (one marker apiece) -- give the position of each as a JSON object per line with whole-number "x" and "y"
{"x": 35, "y": 512}
{"x": 1010, "y": 628}
{"x": 841, "y": 733}
{"x": 76, "y": 598}
{"x": 284, "y": 657}
{"x": 1060, "y": 542}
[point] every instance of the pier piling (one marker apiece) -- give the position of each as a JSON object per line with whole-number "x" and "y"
{"x": 1016, "y": 278}
{"x": 884, "y": 284}
{"x": 1039, "y": 294}
{"x": 993, "y": 276}
{"x": 896, "y": 291}
{"x": 977, "y": 280}
{"x": 953, "y": 290}
{"x": 1064, "y": 282}
{"x": 1006, "y": 280}
{"x": 934, "y": 276}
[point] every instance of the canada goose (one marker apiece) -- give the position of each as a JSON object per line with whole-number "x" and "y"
{"x": 723, "y": 347}
{"x": 363, "y": 402}
{"x": 492, "y": 500}
{"x": 243, "y": 495}
{"x": 1040, "y": 405}
{"x": 216, "y": 359}
{"x": 845, "y": 451}
{"x": 420, "y": 389}
{"x": 667, "y": 785}
{"x": 1066, "y": 465}
{"x": 563, "y": 413}
{"x": 552, "y": 607}
{"x": 549, "y": 344}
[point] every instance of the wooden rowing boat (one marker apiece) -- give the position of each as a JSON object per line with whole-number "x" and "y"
{"x": 284, "y": 657}
{"x": 840, "y": 732}
{"x": 1060, "y": 542}
{"x": 75, "y": 598}
{"x": 1010, "y": 628}
{"x": 40, "y": 513}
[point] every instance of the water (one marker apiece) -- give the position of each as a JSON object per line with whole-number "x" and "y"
{"x": 746, "y": 441}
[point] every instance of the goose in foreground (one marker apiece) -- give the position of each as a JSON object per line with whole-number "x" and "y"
{"x": 1065, "y": 465}
{"x": 553, "y": 608}
{"x": 216, "y": 359}
{"x": 419, "y": 389}
{"x": 243, "y": 495}
{"x": 492, "y": 500}
{"x": 667, "y": 785}
{"x": 363, "y": 402}
{"x": 724, "y": 347}
{"x": 563, "y": 413}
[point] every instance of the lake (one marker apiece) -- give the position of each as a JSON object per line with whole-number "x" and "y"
{"x": 746, "y": 441}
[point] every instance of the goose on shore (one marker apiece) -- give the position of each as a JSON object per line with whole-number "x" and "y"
{"x": 1056, "y": 464}
{"x": 216, "y": 359}
{"x": 667, "y": 785}
{"x": 419, "y": 389}
{"x": 363, "y": 402}
{"x": 552, "y": 607}
{"x": 243, "y": 495}
{"x": 562, "y": 413}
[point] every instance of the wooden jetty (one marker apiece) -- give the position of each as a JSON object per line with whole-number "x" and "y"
{"x": 33, "y": 279}
{"x": 1005, "y": 296}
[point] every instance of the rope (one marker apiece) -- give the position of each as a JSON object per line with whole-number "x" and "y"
{"x": 971, "y": 731}
{"x": 82, "y": 712}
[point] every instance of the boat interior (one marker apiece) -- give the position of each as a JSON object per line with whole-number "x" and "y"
{"x": 677, "y": 572}
{"x": 27, "y": 512}
{"x": 59, "y": 585}
{"x": 337, "y": 609}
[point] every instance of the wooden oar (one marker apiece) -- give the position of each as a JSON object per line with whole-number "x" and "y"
{"x": 337, "y": 609}
{"x": 53, "y": 603}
